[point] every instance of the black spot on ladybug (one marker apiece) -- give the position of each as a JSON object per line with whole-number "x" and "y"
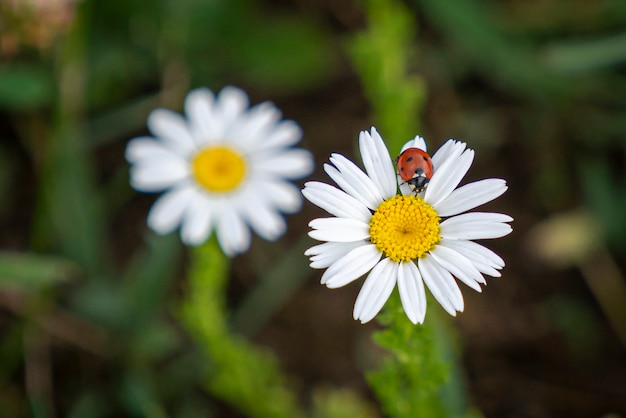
{"x": 409, "y": 159}
{"x": 425, "y": 159}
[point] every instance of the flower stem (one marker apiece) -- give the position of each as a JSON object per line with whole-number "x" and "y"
{"x": 240, "y": 374}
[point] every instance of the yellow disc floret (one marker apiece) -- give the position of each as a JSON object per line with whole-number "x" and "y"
{"x": 219, "y": 169}
{"x": 404, "y": 228}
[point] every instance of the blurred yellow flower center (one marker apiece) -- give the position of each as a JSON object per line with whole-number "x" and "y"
{"x": 219, "y": 169}
{"x": 405, "y": 228}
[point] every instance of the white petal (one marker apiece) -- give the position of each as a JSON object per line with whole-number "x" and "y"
{"x": 167, "y": 212}
{"x": 290, "y": 164}
{"x": 448, "y": 149}
{"x": 376, "y": 290}
{"x": 476, "y": 225}
{"x": 285, "y": 196}
{"x": 199, "y": 108}
{"x": 197, "y": 222}
{"x": 353, "y": 181}
{"x": 323, "y": 255}
{"x": 377, "y": 162}
{"x": 172, "y": 128}
{"x": 441, "y": 285}
{"x": 417, "y": 142}
{"x": 447, "y": 177}
{"x": 335, "y": 202}
{"x": 485, "y": 260}
{"x": 155, "y": 176}
{"x": 231, "y": 103}
{"x": 142, "y": 149}
{"x": 470, "y": 196}
{"x": 284, "y": 134}
{"x": 253, "y": 127}
{"x": 339, "y": 229}
{"x": 267, "y": 223}
{"x": 459, "y": 266}
{"x": 232, "y": 233}
{"x": 351, "y": 266}
{"x": 412, "y": 294}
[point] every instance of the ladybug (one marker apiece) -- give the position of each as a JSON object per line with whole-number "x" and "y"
{"x": 416, "y": 168}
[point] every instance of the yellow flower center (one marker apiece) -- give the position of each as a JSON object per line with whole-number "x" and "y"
{"x": 219, "y": 169}
{"x": 404, "y": 228}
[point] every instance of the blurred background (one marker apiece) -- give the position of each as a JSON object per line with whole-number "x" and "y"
{"x": 88, "y": 296}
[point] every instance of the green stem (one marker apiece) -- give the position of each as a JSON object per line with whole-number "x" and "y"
{"x": 240, "y": 374}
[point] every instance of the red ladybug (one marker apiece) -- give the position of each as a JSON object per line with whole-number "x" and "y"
{"x": 416, "y": 168}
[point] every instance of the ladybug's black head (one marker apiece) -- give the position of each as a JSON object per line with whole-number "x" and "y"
{"x": 418, "y": 183}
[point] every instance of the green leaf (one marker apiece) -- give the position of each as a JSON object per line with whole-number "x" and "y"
{"x": 34, "y": 272}
{"x": 24, "y": 87}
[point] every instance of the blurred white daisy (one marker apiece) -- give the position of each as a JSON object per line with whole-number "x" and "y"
{"x": 225, "y": 167}
{"x": 405, "y": 238}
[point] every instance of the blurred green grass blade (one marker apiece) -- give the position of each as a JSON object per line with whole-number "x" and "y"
{"x": 34, "y": 272}
{"x": 283, "y": 54}
{"x": 24, "y": 87}
{"x": 381, "y": 56}
{"x": 587, "y": 55}
{"x": 148, "y": 276}
{"x": 513, "y": 62}
{"x": 274, "y": 288}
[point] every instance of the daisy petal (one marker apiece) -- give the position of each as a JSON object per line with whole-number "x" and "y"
{"x": 441, "y": 285}
{"x": 459, "y": 266}
{"x": 288, "y": 164}
{"x": 470, "y": 196}
{"x": 353, "y": 181}
{"x": 377, "y": 162}
{"x": 232, "y": 233}
{"x": 197, "y": 222}
{"x": 339, "y": 229}
{"x": 268, "y": 224}
{"x": 285, "y": 196}
{"x": 199, "y": 108}
{"x": 376, "y": 290}
{"x": 351, "y": 266}
{"x": 447, "y": 150}
{"x": 485, "y": 260}
{"x": 155, "y": 177}
{"x": 142, "y": 149}
{"x": 335, "y": 202}
{"x": 447, "y": 177}
{"x": 412, "y": 294}
{"x": 476, "y": 225}
{"x": 284, "y": 134}
{"x": 417, "y": 142}
{"x": 323, "y": 255}
{"x": 167, "y": 212}
{"x": 231, "y": 103}
{"x": 172, "y": 128}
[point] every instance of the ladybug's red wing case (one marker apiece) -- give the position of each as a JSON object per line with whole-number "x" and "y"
{"x": 415, "y": 167}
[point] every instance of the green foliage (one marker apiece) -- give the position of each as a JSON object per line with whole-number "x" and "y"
{"x": 247, "y": 378}
{"x": 382, "y": 56}
{"x": 24, "y": 87}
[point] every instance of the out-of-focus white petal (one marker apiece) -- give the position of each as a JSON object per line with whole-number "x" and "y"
{"x": 233, "y": 234}
{"x": 197, "y": 222}
{"x": 288, "y": 164}
{"x": 155, "y": 177}
{"x": 173, "y": 130}
{"x": 167, "y": 212}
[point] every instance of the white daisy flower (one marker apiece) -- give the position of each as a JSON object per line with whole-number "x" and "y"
{"x": 404, "y": 238}
{"x": 225, "y": 167}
